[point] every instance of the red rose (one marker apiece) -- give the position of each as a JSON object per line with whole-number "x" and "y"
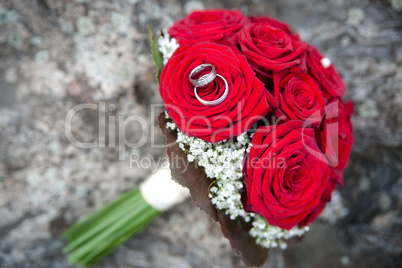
{"x": 325, "y": 198}
{"x": 247, "y": 101}
{"x": 325, "y": 73}
{"x": 212, "y": 25}
{"x": 336, "y": 136}
{"x": 284, "y": 179}
{"x": 269, "y": 46}
{"x": 272, "y": 22}
{"x": 299, "y": 97}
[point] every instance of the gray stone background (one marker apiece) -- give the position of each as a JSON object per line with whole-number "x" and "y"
{"x": 57, "y": 54}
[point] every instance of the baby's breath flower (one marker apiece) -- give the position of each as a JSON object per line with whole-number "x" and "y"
{"x": 167, "y": 46}
{"x": 272, "y": 236}
{"x": 223, "y": 162}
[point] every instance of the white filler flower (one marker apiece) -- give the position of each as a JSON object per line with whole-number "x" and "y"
{"x": 223, "y": 164}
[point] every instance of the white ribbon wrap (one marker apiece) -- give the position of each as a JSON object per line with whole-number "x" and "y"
{"x": 161, "y": 192}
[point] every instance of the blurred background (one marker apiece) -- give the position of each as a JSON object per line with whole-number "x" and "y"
{"x": 56, "y": 54}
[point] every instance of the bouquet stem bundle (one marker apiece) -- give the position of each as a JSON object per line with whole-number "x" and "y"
{"x": 105, "y": 229}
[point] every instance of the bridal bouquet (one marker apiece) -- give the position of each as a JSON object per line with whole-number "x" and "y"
{"x": 255, "y": 127}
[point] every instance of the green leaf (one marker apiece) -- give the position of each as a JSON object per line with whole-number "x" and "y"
{"x": 156, "y": 54}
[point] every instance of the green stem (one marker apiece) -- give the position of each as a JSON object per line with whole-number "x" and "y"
{"x": 77, "y": 228}
{"x": 120, "y": 236}
{"x": 104, "y": 230}
{"x": 98, "y": 224}
{"x": 104, "y": 236}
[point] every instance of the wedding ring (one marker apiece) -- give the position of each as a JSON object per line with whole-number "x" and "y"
{"x": 206, "y": 78}
{"x": 217, "y": 101}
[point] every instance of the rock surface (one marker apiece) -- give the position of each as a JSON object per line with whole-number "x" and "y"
{"x": 59, "y": 54}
